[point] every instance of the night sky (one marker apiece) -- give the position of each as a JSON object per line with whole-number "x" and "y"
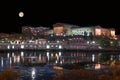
{"x": 77, "y": 13}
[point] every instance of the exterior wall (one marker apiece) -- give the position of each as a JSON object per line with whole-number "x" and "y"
{"x": 104, "y": 31}
{"x": 34, "y": 31}
{"x": 112, "y": 32}
{"x": 68, "y": 29}
{"x": 81, "y": 31}
{"x": 58, "y": 29}
{"x": 49, "y": 32}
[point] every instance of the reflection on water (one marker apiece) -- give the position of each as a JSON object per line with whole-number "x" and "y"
{"x": 20, "y": 58}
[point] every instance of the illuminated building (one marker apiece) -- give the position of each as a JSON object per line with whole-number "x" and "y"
{"x": 34, "y": 31}
{"x": 61, "y": 29}
{"x": 58, "y": 29}
{"x": 69, "y": 29}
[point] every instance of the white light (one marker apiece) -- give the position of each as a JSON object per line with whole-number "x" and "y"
{"x": 15, "y": 59}
{"x": 12, "y": 54}
{"x": 56, "y": 54}
{"x": 17, "y": 42}
{"x": 33, "y": 73}
{"x": 30, "y": 41}
{"x": 21, "y": 14}
{"x": 13, "y": 47}
{"x": 56, "y": 46}
{"x": 57, "y": 41}
{"x": 60, "y": 46}
{"x": 59, "y": 53}
{"x": 22, "y": 46}
{"x": 8, "y": 55}
{"x": 22, "y": 54}
{"x": 88, "y": 42}
{"x": 47, "y": 53}
{"x": 47, "y": 46}
{"x": 93, "y": 42}
{"x": 60, "y": 62}
{"x": 52, "y": 55}
{"x": 100, "y": 47}
{"x": 111, "y": 58}
{"x": 88, "y": 34}
{"x": 64, "y": 35}
{"x": 18, "y": 58}
{"x": 93, "y": 57}
{"x": 2, "y": 62}
{"x": 51, "y": 35}
{"x": 111, "y": 42}
{"x": 8, "y": 47}
{"x": 51, "y": 45}
{"x": 56, "y": 61}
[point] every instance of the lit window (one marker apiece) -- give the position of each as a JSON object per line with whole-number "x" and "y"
{"x": 57, "y": 41}
{"x": 59, "y": 53}
{"x": 98, "y": 31}
{"x": 22, "y": 54}
{"x": 22, "y": 46}
{"x": 2, "y": 62}
{"x": 47, "y": 46}
{"x": 8, "y": 47}
{"x": 33, "y": 73}
{"x": 88, "y": 42}
{"x": 112, "y": 33}
{"x": 56, "y": 61}
{"x": 13, "y": 47}
{"x": 97, "y": 66}
{"x": 51, "y": 45}
{"x": 60, "y": 62}
{"x": 47, "y": 53}
{"x": 8, "y": 55}
{"x": 93, "y": 57}
{"x": 88, "y": 34}
{"x": 60, "y": 46}
{"x": 100, "y": 47}
{"x": 93, "y": 42}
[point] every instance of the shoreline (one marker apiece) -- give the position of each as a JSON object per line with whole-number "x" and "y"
{"x": 82, "y": 50}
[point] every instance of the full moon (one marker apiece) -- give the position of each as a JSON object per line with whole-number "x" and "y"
{"x": 21, "y": 14}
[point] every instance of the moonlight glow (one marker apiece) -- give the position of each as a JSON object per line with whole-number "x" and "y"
{"x": 21, "y": 14}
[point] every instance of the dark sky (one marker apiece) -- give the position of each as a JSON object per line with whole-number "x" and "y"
{"x": 78, "y": 13}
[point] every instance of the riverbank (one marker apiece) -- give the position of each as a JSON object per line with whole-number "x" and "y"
{"x": 68, "y": 50}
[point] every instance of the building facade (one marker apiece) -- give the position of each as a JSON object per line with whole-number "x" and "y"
{"x": 68, "y": 29}
{"x": 61, "y": 29}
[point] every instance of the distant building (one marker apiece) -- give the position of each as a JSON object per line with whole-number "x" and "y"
{"x": 34, "y": 31}
{"x": 60, "y": 29}
{"x": 68, "y": 29}
{"x": 93, "y": 30}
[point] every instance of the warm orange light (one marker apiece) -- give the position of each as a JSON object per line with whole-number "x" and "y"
{"x": 58, "y": 30}
{"x": 98, "y": 31}
{"x": 112, "y": 33}
{"x": 97, "y": 66}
